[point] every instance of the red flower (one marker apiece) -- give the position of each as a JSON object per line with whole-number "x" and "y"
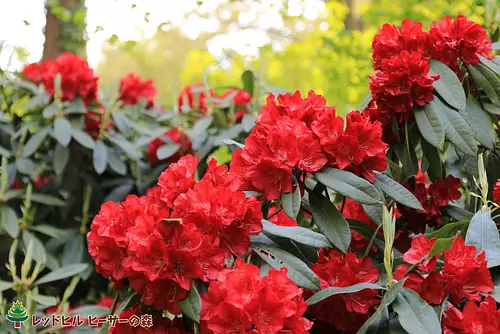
{"x": 77, "y": 78}
{"x": 194, "y": 97}
{"x": 483, "y": 319}
{"x": 240, "y": 99}
{"x": 391, "y": 40}
{"x": 354, "y": 210}
{"x": 178, "y": 178}
{"x": 443, "y": 191}
{"x": 345, "y": 311}
{"x": 242, "y": 302}
{"x": 496, "y": 192}
{"x": 147, "y": 323}
{"x": 401, "y": 83}
{"x": 93, "y": 122}
{"x": 280, "y": 218}
{"x": 420, "y": 247}
{"x": 41, "y": 181}
{"x": 133, "y": 90}
{"x": 176, "y": 137}
{"x": 450, "y": 40}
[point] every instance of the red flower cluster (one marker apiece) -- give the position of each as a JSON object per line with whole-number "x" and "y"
{"x": 402, "y": 83}
{"x": 177, "y": 232}
{"x": 93, "y": 122}
{"x": 133, "y": 90}
{"x": 432, "y": 198}
{"x": 460, "y": 39}
{"x": 496, "y": 192}
{"x": 159, "y": 324}
{"x": 463, "y": 275}
{"x": 303, "y": 133}
{"x": 77, "y": 78}
{"x": 345, "y": 311}
{"x": 242, "y": 302}
{"x": 175, "y": 136}
{"x": 280, "y": 218}
{"x": 484, "y": 319}
{"x": 241, "y": 99}
{"x": 194, "y": 97}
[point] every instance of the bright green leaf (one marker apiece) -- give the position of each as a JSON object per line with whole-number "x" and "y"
{"x": 191, "y": 305}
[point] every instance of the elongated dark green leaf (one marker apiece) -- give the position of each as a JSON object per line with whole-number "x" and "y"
{"x": 248, "y": 81}
{"x": 34, "y": 142}
{"x": 330, "y": 222}
{"x": 480, "y": 123}
{"x": 100, "y": 157}
{"x": 328, "y": 292}
{"x": 44, "y": 300}
{"x": 298, "y": 271}
{"x": 167, "y": 150}
{"x": 296, "y": 233}
{"x": 457, "y": 130}
{"x": 396, "y": 191}
{"x": 191, "y": 305}
{"x": 415, "y": 315}
{"x": 62, "y": 131}
{"x": 248, "y": 122}
{"x": 291, "y": 203}
{"x": 47, "y": 199}
{"x": 430, "y": 125}
{"x": 116, "y": 163}
{"x": 483, "y": 234}
{"x": 387, "y": 300}
{"x": 458, "y": 213}
{"x": 448, "y": 86}
{"x": 49, "y": 230}
{"x": 83, "y": 138}
{"x": 61, "y": 158}
{"x": 5, "y": 285}
{"x": 441, "y": 245}
{"x": 73, "y": 251}
{"x": 62, "y": 273}
{"x": 492, "y": 78}
{"x": 366, "y": 101}
{"x": 349, "y": 185}
{"x": 232, "y": 142}
{"x": 484, "y": 83}
{"x": 130, "y": 150}
{"x": 5, "y": 152}
{"x": 374, "y": 212}
{"x": 469, "y": 162}
{"x": 9, "y": 221}
{"x": 449, "y": 230}
{"x": 119, "y": 193}
{"x": 26, "y": 166}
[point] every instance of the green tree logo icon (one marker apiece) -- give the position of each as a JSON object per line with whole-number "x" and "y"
{"x": 17, "y": 314}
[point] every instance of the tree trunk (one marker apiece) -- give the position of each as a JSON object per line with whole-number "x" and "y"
{"x": 353, "y": 20}
{"x": 64, "y": 29}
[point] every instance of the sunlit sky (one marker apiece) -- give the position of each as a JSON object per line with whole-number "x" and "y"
{"x": 22, "y": 22}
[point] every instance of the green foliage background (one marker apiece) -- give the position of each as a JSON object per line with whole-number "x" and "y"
{"x": 335, "y": 61}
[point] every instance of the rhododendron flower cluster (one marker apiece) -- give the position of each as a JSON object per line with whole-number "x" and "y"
{"x": 174, "y": 136}
{"x": 433, "y": 198}
{"x": 496, "y": 192}
{"x": 304, "y": 134}
{"x": 179, "y": 231}
{"x": 194, "y": 96}
{"x": 133, "y": 90}
{"x": 484, "y": 318}
{"x": 240, "y": 99}
{"x": 243, "y": 302}
{"x": 93, "y": 122}
{"x": 401, "y": 62}
{"x": 350, "y": 310}
{"x": 77, "y": 78}
{"x": 464, "y": 275}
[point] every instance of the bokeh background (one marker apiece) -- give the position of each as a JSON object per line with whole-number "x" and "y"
{"x": 297, "y": 44}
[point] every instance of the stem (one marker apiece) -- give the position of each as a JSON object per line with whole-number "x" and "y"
{"x": 342, "y": 208}
{"x": 372, "y": 240}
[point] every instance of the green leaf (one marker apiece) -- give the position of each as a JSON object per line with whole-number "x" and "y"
{"x": 415, "y": 315}
{"x": 62, "y": 273}
{"x": 83, "y": 138}
{"x": 93, "y": 310}
{"x": 116, "y": 163}
{"x": 130, "y": 150}
{"x": 232, "y": 142}
{"x": 61, "y": 158}
{"x": 450, "y": 230}
{"x": 9, "y": 221}
{"x": 298, "y": 271}
{"x": 34, "y": 142}
{"x": 469, "y": 162}
{"x": 50, "y": 111}
{"x": 330, "y": 222}
{"x": 396, "y": 191}
{"x": 62, "y": 131}
{"x": 441, "y": 245}
{"x": 483, "y": 82}
{"x": 387, "y": 300}
{"x": 248, "y": 81}
{"x": 191, "y": 305}
{"x": 38, "y": 251}
{"x": 248, "y": 122}
{"x": 13, "y": 193}
{"x": 374, "y": 212}
{"x": 291, "y": 203}
{"x": 366, "y": 101}
{"x": 73, "y": 251}
{"x": 448, "y": 86}
{"x": 5, "y": 285}
{"x": 480, "y": 123}
{"x": 491, "y": 108}
{"x": 26, "y": 166}
{"x": 5, "y": 152}
{"x": 436, "y": 169}
{"x": 296, "y": 233}
{"x": 119, "y": 193}
{"x": 47, "y": 200}
{"x": 492, "y": 78}
{"x": 44, "y": 300}
{"x": 458, "y": 213}
{"x": 100, "y": 157}
{"x": 457, "y": 130}
{"x": 167, "y": 150}
{"x": 430, "y": 125}
{"x": 49, "y": 230}
{"x": 328, "y": 292}
{"x": 483, "y": 234}
{"x": 349, "y": 185}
